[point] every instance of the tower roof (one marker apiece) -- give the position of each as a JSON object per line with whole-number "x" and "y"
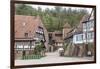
{"x": 66, "y": 25}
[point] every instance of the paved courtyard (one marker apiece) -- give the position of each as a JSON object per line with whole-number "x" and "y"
{"x": 52, "y": 57}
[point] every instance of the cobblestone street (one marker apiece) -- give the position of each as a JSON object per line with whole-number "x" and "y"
{"x": 52, "y": 57}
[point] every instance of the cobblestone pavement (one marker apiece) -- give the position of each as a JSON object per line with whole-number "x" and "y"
{"x": 52, "y": 57}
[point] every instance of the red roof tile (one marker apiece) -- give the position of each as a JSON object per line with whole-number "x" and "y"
{"x": 26, "y": 24}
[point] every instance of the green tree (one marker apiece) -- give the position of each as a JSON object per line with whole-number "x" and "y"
{"x": 55, "y": 18}
{"x": 39, "y": 49}
{"x": 23, "y": 9}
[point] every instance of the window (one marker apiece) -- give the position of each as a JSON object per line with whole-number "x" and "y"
{"x": 88, "y": 25}
{"x": 19, "y": 46}
{"x": 26, "y": 34}
{"x": 84, "y": 25}
{"x": 60, "y": 44}
{"x": 92, "y": 23}
{"x": 90, "y": 35}
{"x": 79, "y": 37}
{"x": 33, "y": 47}
{"x": 40, "y": 30}
{"x": 39, "y": 36}
{"x": 76, "y": 38}
{"x": 26, "y": 46}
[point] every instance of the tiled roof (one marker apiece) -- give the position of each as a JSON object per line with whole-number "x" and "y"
{"x": 70, "y": 33}
{"x": 57, "y": 32}
{"x": 67, "y": 25}
{"x": 56, "y": 36}
{"x": 84, "y": 18}
{"x": 26, "y": 24}
{"x": 66, "y": 29}
{"x": 79, "y": 28}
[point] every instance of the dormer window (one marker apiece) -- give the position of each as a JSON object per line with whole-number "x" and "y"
{"x": 39, "y": 30}
{"x": 26, "y": 34}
